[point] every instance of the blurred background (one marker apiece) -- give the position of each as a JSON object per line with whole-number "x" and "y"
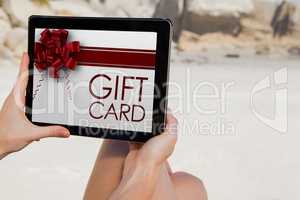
{"x": 229, "y": 137}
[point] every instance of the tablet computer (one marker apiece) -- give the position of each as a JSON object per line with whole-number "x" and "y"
{"x": 99, "y": 77}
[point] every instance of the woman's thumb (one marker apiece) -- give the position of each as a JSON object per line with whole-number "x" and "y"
{"x": 50, "y": 131}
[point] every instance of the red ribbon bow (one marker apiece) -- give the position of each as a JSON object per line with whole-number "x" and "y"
{"x": 54, "y": 52}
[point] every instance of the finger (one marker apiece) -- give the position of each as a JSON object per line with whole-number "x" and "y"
{"x": 21, "y": 83}
{"x": 169, "y": 136}
{"x": 24, "y": 63}
{"x": 170, "y": 133}
{"x": 167, "y": 140}
{"x": 50, "y": 131}
{"x": 23, "y": 72}
{"x": 171, "y": 125}
{"x": 170, "y": 117}
{"x": 159, "y": 148}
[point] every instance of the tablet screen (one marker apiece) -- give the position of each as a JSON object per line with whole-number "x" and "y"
{"x": 93, "y": 78}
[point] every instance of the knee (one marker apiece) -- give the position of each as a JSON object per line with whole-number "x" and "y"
{"x": 187, "y": 178}
{"x": 188, "y": 186}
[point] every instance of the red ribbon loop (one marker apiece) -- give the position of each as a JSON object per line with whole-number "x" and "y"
{"x": 54, "y": 52}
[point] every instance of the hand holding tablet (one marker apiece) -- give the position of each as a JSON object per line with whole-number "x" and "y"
{"x": 16, "y": 132}
{"x": 99, "y": 77}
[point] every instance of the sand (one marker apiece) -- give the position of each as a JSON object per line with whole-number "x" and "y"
{"x": 245, "y": 160}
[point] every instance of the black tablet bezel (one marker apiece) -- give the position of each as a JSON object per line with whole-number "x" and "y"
{"x": 163, "y": 29}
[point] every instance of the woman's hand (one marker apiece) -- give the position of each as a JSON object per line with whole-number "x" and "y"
{"x": 16, "y": 131}
{"x": 144, "y": 164}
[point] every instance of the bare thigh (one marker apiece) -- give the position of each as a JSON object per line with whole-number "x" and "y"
{"x": 107, "y": 174}
{"x": 107, "y": 171}
{"x": 188, "y": 187}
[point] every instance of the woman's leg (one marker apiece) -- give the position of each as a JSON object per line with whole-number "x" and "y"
{"x": 108, "y": 169}
{"x": 188, "y": 187}
{"x": 165, "y": 189}
{"x": 179, "y": 185}
{"x": 107, "y": 173}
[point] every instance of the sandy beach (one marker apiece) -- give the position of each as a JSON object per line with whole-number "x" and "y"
{"x": 245, "y": 160}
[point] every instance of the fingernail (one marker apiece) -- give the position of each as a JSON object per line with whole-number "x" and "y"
{"x": 66, "y": 133}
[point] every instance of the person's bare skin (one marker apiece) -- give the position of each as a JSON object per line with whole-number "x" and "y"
{"x": 108, "y": 169}
{"x": 16, "y": 131}
{"x": 150, "y": 178}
